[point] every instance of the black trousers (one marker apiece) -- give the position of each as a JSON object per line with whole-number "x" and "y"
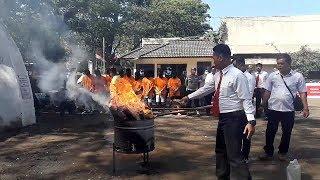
{"x": 287, "y": 122}
{"x": 194, "y": 101}
{"x": 258, "y": 93}
{"x": 246, "y": 145}
{"x": 208, "y": 101}
{"x": 230, "y": 163}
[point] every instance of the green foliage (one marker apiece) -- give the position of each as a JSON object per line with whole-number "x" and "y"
{"x": 219, "y": 36}
{"x": 122, "y": 22}
{"x": 306, "y": 60}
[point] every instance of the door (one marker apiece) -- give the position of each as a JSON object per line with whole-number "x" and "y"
{"x": 202, "y": 66}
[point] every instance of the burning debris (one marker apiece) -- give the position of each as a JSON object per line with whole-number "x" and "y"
{"x": 124, "y": 101}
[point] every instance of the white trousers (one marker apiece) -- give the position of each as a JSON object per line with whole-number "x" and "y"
{"x": 160, "y": 98}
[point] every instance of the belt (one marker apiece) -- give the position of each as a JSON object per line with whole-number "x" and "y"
{"x": 234, "y": 113}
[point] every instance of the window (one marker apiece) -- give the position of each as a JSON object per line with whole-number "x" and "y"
{"x": 202, "y": 66}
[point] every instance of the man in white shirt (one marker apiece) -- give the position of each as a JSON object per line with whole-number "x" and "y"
{"x": 250, "y": 69}
{"x": 207, "y": 80}
{"x": 232, "y": 103}
{"x": 261, "y": 77}
{"x": 280, "y": 105}
{"x": 240, "y": 64}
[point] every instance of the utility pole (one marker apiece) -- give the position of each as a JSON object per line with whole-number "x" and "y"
{"x": 103, "y": 56}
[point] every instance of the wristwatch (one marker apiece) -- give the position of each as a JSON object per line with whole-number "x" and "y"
{"x": 253, "y": 123}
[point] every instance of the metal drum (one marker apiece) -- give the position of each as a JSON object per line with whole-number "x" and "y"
{"x": 134, "y": 137}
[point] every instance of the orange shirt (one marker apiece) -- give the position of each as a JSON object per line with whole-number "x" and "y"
{"x": 137, "y": 86}
{"x": 87, "y": 83}
{"x": 174, "y": 84}
{"x": 148, "y": 86}
{"x": 160, "y": 85}
{"x": 108, "y": 81}
{"x": 130, "y": 79}
{"x": 113, "y": 88}
{"x": 100, "y": 84}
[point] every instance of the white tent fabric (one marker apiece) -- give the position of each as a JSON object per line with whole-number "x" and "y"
{"x": 16, "y": 100}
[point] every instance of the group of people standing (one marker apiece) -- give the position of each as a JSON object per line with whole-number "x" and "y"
{"x": 233, "y": 88}
{"x": 147, "y": 87}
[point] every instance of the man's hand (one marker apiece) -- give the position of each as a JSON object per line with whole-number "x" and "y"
{"x": 305, "y": 113}
{"x": 249, "y": 130}
{"x": 184, "y": 101}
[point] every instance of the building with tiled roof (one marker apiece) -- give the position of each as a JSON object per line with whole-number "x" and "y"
{"x": 258, "y": 39}
{"x": 181, "y": 55}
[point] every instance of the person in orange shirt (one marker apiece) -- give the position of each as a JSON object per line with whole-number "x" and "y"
{"x": 124, "y": 99}
{"x": 129, "y": 76}
{"x": 108, "y": 78}
{"x": 147, "y": 89}
{"x": 87, "y": 81}
{"x": 174, "y": 85}
{"x": 160, "y": 89}
{"x": 137, "y": 86}
{"x": 113, "y": 88}
{"x": 100, "y": 83}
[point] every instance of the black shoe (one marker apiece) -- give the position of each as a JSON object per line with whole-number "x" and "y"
{"x": 283, "y": 157}
{"x": 265, "y": 157}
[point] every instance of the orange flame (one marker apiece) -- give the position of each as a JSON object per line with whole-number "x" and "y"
{"x": 123, "y": 98}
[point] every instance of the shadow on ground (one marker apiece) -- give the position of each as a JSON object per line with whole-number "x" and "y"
{"x": 78, "y": 147}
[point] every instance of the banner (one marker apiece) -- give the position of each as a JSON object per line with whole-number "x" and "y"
{"x": 313, "y": 90}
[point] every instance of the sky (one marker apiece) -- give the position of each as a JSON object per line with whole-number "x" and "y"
{"x": 249, "y": 8}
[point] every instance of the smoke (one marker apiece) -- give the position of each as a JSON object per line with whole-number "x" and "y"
{"x": 57, "y": 54}
{"x": 9, "y": 100}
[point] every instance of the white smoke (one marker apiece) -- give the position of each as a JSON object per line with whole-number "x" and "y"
{"x": 63, "y": 74}
{"x": 57, "y": 76}
{"x": 83, "y": 96}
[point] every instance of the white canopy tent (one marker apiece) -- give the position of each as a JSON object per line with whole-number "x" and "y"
{"x": 16, "y": 100}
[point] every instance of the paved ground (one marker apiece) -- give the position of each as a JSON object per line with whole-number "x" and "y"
{"x": 69, "y": 149}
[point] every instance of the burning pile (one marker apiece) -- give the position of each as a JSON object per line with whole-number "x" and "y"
{"x": 125, "y": 103}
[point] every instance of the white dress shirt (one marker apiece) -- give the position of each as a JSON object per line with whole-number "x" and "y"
{"x": 208, "y": 78}
{"x": 234, "y": 92}
{"x": 252, "y": 82}
{"x": 280, "y": 98}
{"x": 263, "y": 75}
{"x": 206, "y": 89}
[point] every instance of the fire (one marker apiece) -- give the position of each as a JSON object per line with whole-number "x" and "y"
{"x": 124, "y": 99}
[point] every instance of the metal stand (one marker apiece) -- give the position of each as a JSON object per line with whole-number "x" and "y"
{"x": 114, "y": 159}
{"x": 145, "y": 159}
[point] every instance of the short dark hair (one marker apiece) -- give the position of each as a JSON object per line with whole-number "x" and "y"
{"x": 122, "y": 72}
{"x": 222, "y": 50}
{"x": 128, "y": 72}
{"x": 240, "y": 60}
{"x": 285, "y": 57}
{"x": 259, "y": 64}
{"x": 97, "y": 72}
{"x": 86, "y": 72}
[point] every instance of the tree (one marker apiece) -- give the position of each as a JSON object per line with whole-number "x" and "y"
{"x": 222, "y": 34}
{"x": 306, "y": 60}
{"x": 124, "y": 22}
{"x": 219, "y": 36}
{"x": 168, "y": 18}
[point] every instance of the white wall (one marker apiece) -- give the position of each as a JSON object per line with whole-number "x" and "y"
{"x": 267, "y": 34}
